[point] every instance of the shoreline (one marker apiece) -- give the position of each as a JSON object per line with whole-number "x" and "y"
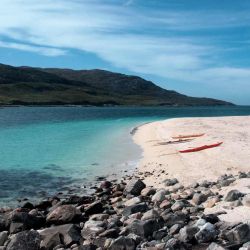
{"x": 231, "y": 156}
{"x": 147, "y": 209}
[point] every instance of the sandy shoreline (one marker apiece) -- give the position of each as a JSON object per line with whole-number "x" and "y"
{"x": 233, "y": 156}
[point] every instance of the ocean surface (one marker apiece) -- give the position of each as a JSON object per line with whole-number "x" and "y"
{"x": 45, "y": 150}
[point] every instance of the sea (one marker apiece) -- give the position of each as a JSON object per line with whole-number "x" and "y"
{"x": 48, "y": 151}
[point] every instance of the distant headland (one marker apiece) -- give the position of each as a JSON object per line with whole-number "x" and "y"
{"x": 54, "y": 86}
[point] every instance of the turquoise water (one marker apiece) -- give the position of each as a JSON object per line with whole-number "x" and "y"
{"x": 49, "y": 149}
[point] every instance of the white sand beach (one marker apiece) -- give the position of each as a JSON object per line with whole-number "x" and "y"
{"x": 165, "y": 161}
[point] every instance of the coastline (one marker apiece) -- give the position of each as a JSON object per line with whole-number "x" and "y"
{"x": 231, "y": 157}
{"x": 163, "y": 161}
{"x": 149, "y": 208}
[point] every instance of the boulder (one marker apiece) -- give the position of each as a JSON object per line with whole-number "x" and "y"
{"x": 25, "y": 219}
{"x": 211, "y": 201}
{"x": 246, "y": 200}
{"x": 198, "y": 198}
{"x": 91, "y": 232}
{"x": 67, "y": 234}
{"x": 123, "y": 243}
{"x": 110, "y": 233}
{"x": 62, "y": 215}
{"x": 174, "y": 218}
{"x": 99, "y": 217}
{"x": 94, "y": 208}
{"x": 159, "y": 196}
{"x": 142, "y": 207}
{"x": 233, "y": 195}
{"x": 207, "y": 233}
{"x": 240, "y": 234}
{"x": 145, "y": 228}
{"x": 179, "y": 205}
{"x": 132, "y": 201}
{"x": 170, "y": 182}
{"x": 3, "y": 237}
{"x": 245, "y": 246}
{"x": 151, "y": 214}
{"x": 26, "y": 240}
{"x": 174, "y": 244}
{"x": 215, "y": 246}
{"x": 187, "y": 233}
{"x": 88, "y": 247}
{"x": 134, "y": 187}
{"x": 50, "y": 241}
{"x": 148, "y": 191}
{"x": 175, "y": 229}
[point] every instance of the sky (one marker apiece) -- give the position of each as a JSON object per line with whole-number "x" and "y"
{"x": 196, "y": 47}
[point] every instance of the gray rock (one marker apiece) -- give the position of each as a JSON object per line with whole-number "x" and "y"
{"x": 175, "y": 229}
{"x": 94, "y": 208}
{"x": 110, "y": 233}
{"x": 179, "y": 205}
{"x": 26, "y": 240}
{"x": 94, "y": 223}
{"x": 134, "y": 187}
{"x": 227, "y": 182}
{"x": 245, "y": 246}
{"x": 62, "y": 215}
{"x": 132, "y": 201}
{"x": 27, "y": 220}
{"x": 3, "y": 237}
{"x": 159, "y": 196}
{"x": 50, "y": 241}
{"x": 174, "y": 244}
{"x": 123, "y": 243}
{"x": 88, "y": 247}
{"x": 242, "y": 175}
{"x": 246, "y": 200}
{"x": 215, "y": 246}
{"x": 207, "y": 233}
{"x": 199, "y": 198}
{"x": 200, "y": 223}
{"x": 142, "y": 207}
{"x": 16, "y": 227}
{"x": 68, "y": 233}
{"x": 91, "y": 232}
{"x": 239, "y": 234}
{"x": 170, "y": 182}
{"x": 151, "y": 214}
{"x": 174, "y": 218}
{"x": 187, "y": 233}
{"x": 99, "y": 217}
{"x": 233, "y": 195}
{"x": 148, "y": 191}
{"x": 145, "y": 228}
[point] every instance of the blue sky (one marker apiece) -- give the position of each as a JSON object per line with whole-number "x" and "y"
{"x": 197, "y": 47}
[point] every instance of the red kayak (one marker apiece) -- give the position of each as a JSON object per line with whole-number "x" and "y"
{"x": 201, "y": 148}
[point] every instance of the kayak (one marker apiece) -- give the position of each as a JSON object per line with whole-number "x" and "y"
{"x": 201, "y": 148}
{"x": 187, "y": 136}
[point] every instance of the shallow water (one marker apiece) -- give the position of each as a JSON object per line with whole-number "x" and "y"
{"x": 47, "y": 149}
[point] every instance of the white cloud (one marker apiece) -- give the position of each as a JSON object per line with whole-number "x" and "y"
{"x": 40, "y": 50}
{"x": 141, "y": 42}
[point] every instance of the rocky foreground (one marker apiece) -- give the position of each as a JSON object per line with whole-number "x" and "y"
{"x": 127, "y": 215}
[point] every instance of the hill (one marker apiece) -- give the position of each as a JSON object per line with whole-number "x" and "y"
{"x": 45, "y": 86}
